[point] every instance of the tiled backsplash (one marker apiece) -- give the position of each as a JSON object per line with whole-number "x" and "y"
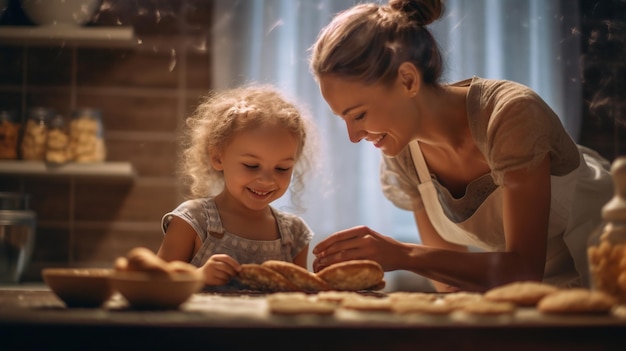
{"x": 144, "y": 94}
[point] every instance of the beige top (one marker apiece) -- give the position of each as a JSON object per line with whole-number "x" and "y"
{"x": 514, "y": 128}
{"x": 202, "y": 215}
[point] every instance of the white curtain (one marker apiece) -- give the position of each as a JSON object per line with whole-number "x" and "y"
{"x": 534, "y": 42}
{"x": 530, "y": 41}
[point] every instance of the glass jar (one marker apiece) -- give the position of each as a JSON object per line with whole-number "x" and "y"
{"x": 607, "y": 246}
{"x": 87, "y": 136}
{"x": 57, "y": 141}
{"x": 9, "y": 134}
{"x": 17, "y": 236}
{"x": 35, "y": 133}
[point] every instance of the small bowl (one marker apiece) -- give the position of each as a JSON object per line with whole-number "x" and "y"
{"x": 60, "y": 12}
{"x": 80, "y": 287}
{"x": 145, "y": 290}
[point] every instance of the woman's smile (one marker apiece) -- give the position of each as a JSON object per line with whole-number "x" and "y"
{"x": 377, "y": 141}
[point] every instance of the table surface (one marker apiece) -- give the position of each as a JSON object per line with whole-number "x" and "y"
{"x": 33, "y": 317}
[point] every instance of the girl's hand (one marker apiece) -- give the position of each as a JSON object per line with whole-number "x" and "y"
{"x": 357, "y": 243}
{"x": 219, "y": 269}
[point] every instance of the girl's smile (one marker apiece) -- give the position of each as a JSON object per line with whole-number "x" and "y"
{"x": 257, "y": 166}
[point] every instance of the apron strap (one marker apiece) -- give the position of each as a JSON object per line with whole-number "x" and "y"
{"x": 420, "y": 164}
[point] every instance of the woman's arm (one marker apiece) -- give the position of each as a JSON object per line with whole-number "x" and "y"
{"x": 526, "y": 210}
{"x": 526, "y": 206}
{"x": 430, "y": 237}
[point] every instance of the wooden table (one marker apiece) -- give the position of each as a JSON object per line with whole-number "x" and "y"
{"x": 35, "y": 319}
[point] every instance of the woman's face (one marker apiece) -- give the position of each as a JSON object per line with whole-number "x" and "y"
{"x": 382, "y": 115}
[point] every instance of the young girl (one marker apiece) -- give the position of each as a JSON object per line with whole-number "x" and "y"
{"x": 243, "y": 149}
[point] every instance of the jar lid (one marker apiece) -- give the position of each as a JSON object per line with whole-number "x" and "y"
{"x": 8, "y": 115}
{"x": 57, "y": 121}
{"x": 87, "y": 112}
{"x": 40, "y": 113}
{"x": 17, "y": 217}
{"x": 615, "y": 209}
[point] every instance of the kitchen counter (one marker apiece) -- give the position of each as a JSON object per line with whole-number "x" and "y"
{"x": 34, "y": 318}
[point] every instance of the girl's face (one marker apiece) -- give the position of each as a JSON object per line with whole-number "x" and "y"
{"x": 258, "y": 165}
{"x": 379, "y": 114}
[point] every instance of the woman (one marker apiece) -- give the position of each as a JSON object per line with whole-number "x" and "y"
{"x": 499, "y": 190}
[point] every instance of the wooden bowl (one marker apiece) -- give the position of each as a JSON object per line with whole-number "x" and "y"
{"x": 146, "y": 290}
{"x": 60, "y": 12}
{"x": 80, "y": 287}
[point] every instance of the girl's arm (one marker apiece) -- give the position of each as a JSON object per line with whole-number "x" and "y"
{"x": 301, "y": 258}
{"x": 179, "y": 241}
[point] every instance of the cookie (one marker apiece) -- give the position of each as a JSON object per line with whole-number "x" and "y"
{"x": 336, "y": 296}
{"x": 521, "y": 293}
{"x": 407, "y": 306}
{"x": 284, "y": 303}
{"x": 287, "y": 295}
{"x": 258, "y": 277}
{"x": 577, "y": 300}
{"x": 378, "y": 286}
{"x": 460, "y": 299}
{"x": 352, "y": 275}
{"x": 411, "y": 295}
{"x": 366, "y": 303}
{"x": 305, "y": 280}
{"x": 142, "y": 259}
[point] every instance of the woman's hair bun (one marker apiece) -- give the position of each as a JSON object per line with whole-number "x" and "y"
{"x": 423, "y": 12}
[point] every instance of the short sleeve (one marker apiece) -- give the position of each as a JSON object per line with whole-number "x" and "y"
{"x": 516, "y": 129}
{"x": 296, "y": 233}
{"x": 192, "y": 212}
{"x": 519, "y": 136}
{"x": 399, "y": 179}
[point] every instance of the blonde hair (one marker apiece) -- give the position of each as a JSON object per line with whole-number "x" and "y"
{"x": 222, "y": 114}
{"x": 368, "y": 42}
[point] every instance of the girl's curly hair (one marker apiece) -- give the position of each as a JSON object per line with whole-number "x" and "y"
{"x": 222, "y": 114}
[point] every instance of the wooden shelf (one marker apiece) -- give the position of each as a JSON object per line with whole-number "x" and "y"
{"x": 68, "y": 36}
{"x": 113, "y": 170}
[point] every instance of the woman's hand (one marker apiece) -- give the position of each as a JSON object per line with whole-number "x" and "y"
{"x": 219, "y": 269}
{"x": 357, "y": 243}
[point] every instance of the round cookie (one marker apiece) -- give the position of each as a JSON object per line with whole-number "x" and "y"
{"x": 407, "y": 306}
{"x": 411, "y": 295}
{"x": 283, "y": 303}
{"x": 352, "y": 275}
{"x": 460, "y": 299}
{"x": 142, "y": 259}
{"x": 336, "y": 296}
{"x": 258, "y": 277}
{"x": 378, "y": 286}
{"x": 305, "y": 280}
{"x": 521, "y": 293}
{"x": 366, "y": 303}
{"x": 576, "y": 300}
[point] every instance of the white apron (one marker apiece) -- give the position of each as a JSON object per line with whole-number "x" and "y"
{"x": 570, "y": 223}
